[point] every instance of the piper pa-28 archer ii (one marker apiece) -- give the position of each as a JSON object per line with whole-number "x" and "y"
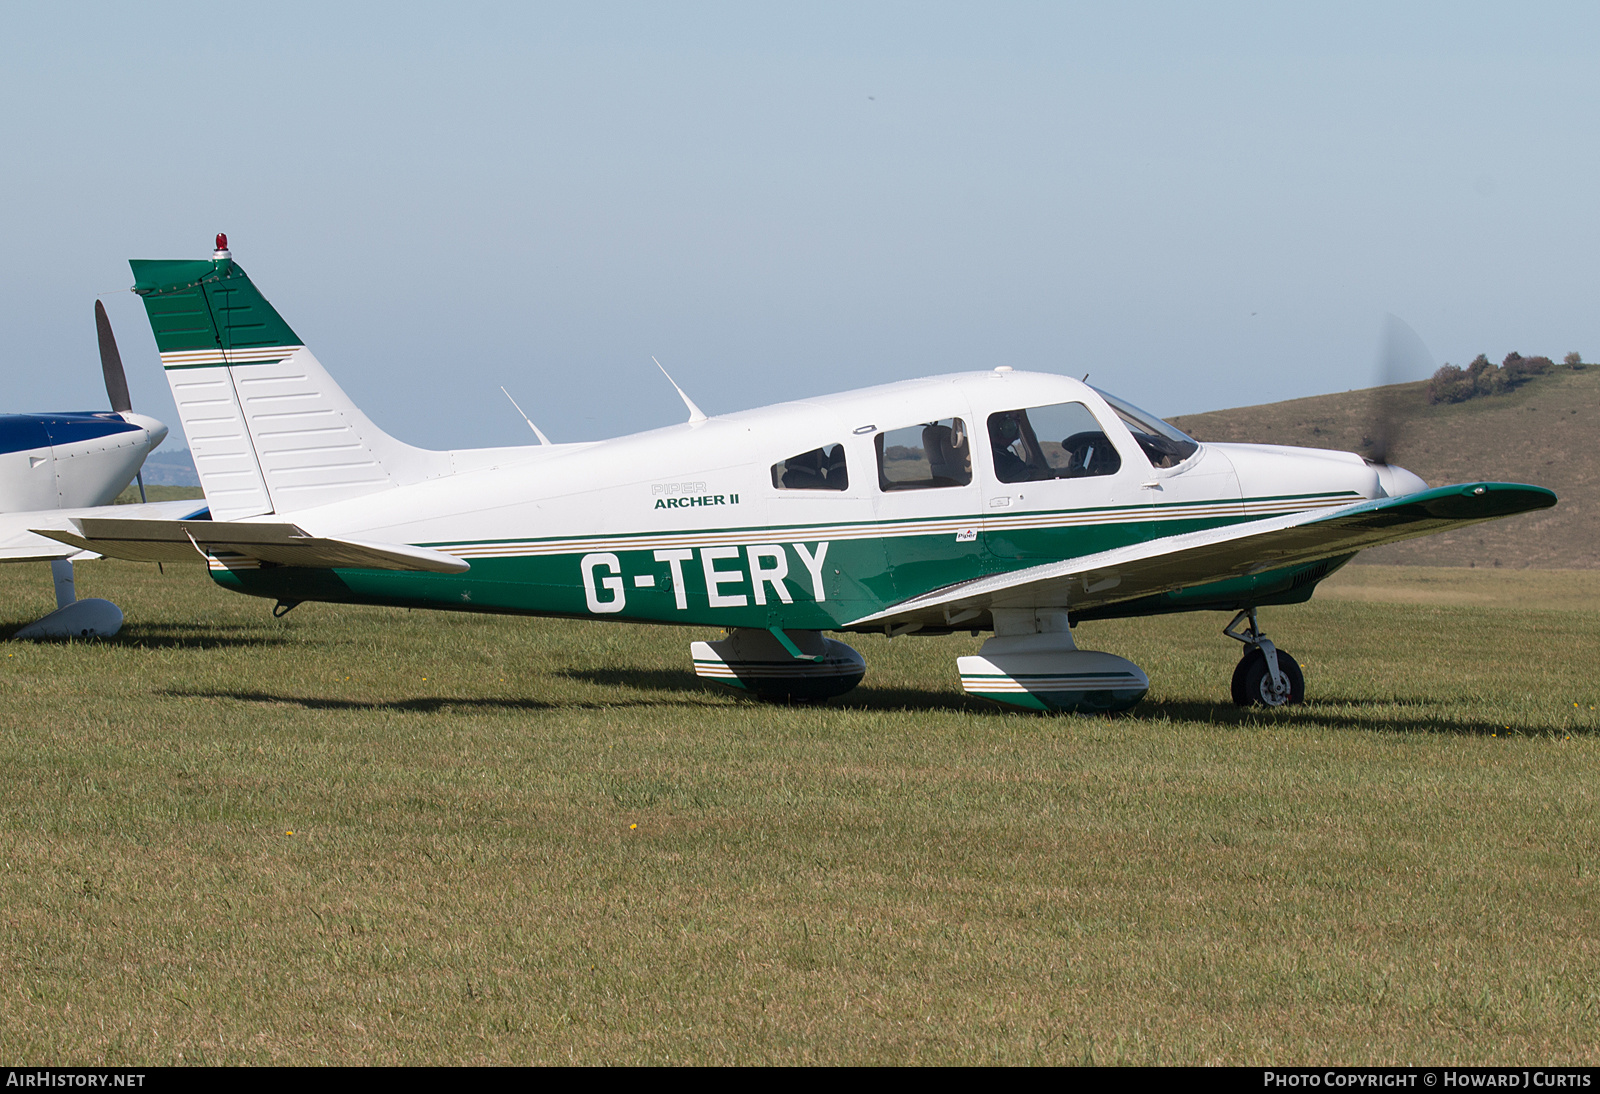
{"x": 1001, "y": 501}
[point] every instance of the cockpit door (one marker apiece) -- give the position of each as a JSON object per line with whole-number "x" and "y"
{"x": 1056, "y": 480}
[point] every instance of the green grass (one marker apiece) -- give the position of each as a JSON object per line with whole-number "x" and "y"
{"x": 1459, "y": 586}
{"x": 1401, "y": 871}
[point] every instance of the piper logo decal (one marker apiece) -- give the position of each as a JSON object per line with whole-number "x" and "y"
{"x": 761, "y": 568}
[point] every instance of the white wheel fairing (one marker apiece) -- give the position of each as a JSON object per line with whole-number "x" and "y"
{"x": 757, "y": 663}
{"x": 1067, "y": 681}
{"x": 91, "y": 618}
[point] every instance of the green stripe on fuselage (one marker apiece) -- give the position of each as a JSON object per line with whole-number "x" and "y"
{"x": 860, "y": 576}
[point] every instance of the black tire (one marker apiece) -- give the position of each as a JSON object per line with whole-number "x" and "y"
{"x": 1252, "y": 683}
{"x": 1241, "y": 698}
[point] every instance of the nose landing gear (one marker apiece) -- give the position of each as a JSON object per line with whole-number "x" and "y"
{"x": 1266, "y": 676}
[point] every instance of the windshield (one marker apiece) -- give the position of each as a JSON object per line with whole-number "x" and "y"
{"x": 1165, "y": 445}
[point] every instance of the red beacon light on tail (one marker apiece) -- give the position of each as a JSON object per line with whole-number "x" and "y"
{"x": 222, "y": 248}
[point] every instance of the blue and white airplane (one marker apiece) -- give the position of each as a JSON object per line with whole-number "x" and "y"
{"x": 54, "y": 467}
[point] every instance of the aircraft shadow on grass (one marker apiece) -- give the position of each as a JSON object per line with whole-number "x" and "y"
{"x": 179, "y": 636}
{"x": 1327, "y": 714}
{"x": 425, "y": 704}
{"x": 1330, "y": 713}
{"x": 197, "y": 636}
{"x": 660, "y": 680}
{"x": 862, "y": 698}
{"x": 1324, "y": 714}
{"x": 683, "y": 689}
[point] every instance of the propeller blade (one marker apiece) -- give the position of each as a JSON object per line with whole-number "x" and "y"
{"x": 139, "y": 477}
{"x": 1402, "y": 358}
{"x": 111, "y": 362}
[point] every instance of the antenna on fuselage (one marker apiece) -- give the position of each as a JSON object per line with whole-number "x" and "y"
{"x": 695, "y": 413}
{"x": 542, "y": 438}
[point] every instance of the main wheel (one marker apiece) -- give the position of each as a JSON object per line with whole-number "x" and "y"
{"x": 1252, "y": 683}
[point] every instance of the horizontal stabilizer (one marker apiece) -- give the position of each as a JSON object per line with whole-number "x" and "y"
{"x": 1219, "y": 554}
{"x": 283, "y": 544}
{"x": 22, "y": 535}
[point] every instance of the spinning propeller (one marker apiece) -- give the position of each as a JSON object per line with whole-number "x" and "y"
{"x": 116, "y": 379}
{"x": 1402, "y": 355}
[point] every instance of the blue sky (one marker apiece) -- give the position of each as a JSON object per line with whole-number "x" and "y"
{"x": 1200, "y": 206}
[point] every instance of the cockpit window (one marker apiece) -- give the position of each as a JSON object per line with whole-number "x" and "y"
{"x": 820, "y": 469}
{"x": 920, "y": 457}
{"x": 1165, "y": 445}
{"x": 1063, "y": 441}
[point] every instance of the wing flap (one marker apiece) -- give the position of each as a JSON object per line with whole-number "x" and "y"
{"x": 1218, "y": 554}
{"x": 282, "y": 543}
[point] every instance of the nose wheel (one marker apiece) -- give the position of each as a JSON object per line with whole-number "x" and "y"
{"x": 1265, "y": 676}
{"x": 1253, "y": 685}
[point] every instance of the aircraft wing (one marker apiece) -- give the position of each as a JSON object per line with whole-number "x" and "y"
{"x": 285, "y": 544}
{"x": 1218, "y": 554}
{"x": 24, "y": 537}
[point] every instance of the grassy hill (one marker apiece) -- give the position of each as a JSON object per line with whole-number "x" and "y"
{"x": 1546, "y": 432}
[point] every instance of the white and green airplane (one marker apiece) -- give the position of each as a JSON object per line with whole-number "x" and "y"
{"x": 1003, "y": 501}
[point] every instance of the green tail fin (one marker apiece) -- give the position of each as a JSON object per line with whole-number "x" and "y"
{"x": 199, "y": 308}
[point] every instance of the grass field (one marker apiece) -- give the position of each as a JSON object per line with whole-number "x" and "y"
{"x": 1456, "y": 586}
{"x": 372, "y": 836}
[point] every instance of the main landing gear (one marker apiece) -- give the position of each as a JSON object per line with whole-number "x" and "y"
{"x": 778, "y": 666}
{"x": 1265, "y": 676}
{"x": 73, "y": 618}
{"x": 1032, "y": 662}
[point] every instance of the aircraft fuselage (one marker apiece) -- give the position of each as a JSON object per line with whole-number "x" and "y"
{"x": 691, "y": 524}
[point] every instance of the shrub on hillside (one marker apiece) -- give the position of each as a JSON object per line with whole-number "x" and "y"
{"x": 1486, "y": 379}
{"x": 1456, "y": 385}
{"x": 1449, "y": 385}
{"x": 1520, "y": 368}
{"x": 1573, "y": 360}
